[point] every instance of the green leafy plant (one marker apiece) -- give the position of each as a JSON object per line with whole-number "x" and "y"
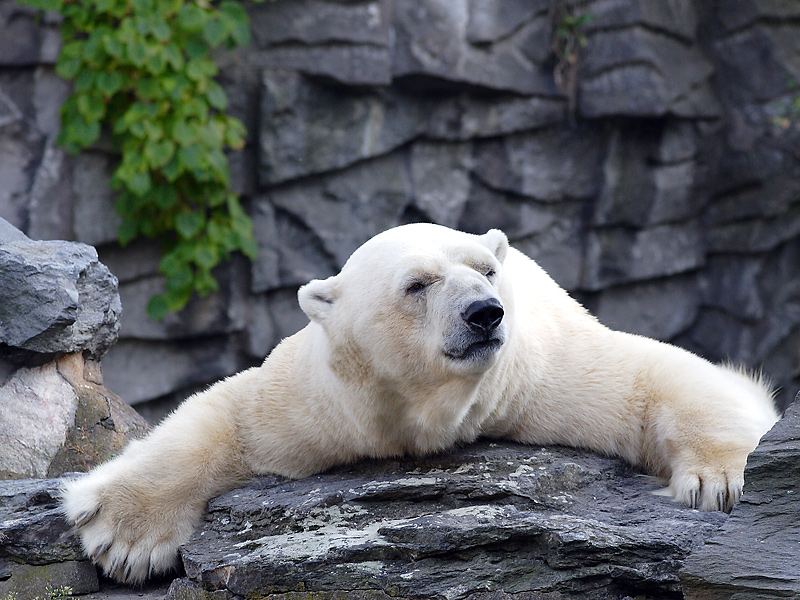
{"x": 143, "y": 73}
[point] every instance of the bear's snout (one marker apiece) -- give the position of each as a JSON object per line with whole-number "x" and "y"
{"x": 483, "y": 316}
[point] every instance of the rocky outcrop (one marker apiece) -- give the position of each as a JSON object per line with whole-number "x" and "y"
{"x": 654, "y": 173}
{"x": 754, "y": 554}
{"x": 59, "y": 313}
{"x": 490, "y": 521}
{"x": 487, "y": 521}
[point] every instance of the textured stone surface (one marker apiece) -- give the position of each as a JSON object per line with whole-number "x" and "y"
{"x": 551, "y": 164}
{"x": 754, "y": 554}
{"x": 309, "y": 128}
{"x": 59, "y": 418}
{"x": 28, "y": 38}
{"x": 490, "y": 518}
{"x": 56, "y": 297}
{"x": 38, "y": 547}
{"x": 431, "y": 43}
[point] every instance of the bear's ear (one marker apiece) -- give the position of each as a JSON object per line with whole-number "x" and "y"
{"x": 317, "y": 298}
{"x": 497, "y": 242}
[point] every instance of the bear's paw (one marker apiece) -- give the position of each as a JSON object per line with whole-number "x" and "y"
{"x": 118, "y": 531}
{"x": 707, "y": 487}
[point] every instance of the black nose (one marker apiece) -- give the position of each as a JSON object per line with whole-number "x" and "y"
{"x": 484, "y": 315}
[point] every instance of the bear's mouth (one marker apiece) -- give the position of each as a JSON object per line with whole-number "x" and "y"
{"x": 475, "y": 350}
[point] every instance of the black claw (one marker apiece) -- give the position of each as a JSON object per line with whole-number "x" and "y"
{"x": 100, "y": 551}
{"x": 86, "y": 516}
{"x": 114, "y": 570}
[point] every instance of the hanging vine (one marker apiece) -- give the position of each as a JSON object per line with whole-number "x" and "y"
{"x": 142, "y": 72}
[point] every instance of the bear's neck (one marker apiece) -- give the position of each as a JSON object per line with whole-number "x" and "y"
{"x": 395, "y": 418}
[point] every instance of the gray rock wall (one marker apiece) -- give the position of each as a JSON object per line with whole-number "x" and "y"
{"x": 659, "y": 183}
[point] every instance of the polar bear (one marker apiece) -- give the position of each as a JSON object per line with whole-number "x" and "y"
{"x": 426, "y": 338}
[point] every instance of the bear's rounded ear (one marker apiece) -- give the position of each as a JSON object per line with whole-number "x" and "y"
{"x": 317, "y": 298}
{"x": 497, "y": 242}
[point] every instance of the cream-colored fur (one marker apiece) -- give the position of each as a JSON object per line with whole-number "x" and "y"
{"x": 388, "y": 366}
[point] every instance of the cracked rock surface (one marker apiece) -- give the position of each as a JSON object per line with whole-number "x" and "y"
{"x": 492, "y": 518}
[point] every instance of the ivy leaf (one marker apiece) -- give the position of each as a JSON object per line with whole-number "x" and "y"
{"x": 158, "y": 307}
{"x": 205, "y": 256}
{"x": 70, "y": 60}
{"x": 137, "y": 52}
{"x": 235, "y": 134}
{"x": 164, "y": 196}
{"x": 219, "y": 163}
{"x": 174, "y": 56}
{"x": 91, "y": 107}
{"x": 192, "y": 18}
{"x": 109, "y": 83}
{"x": 77, "y": 133}
{"x": 204, "y": 282}
{"x": 192, "y": 158}
{"x": 159, "y": 154}
{"x": 103, "y": 5}
{"x": 216, "y": 96}
{"x": 149, "y": 88}
{"x": 127, "y": 231}
{"x": 139, "y": 183}
{"x": 215, "y": 32}
{"x": 189, "y": 224}
{"x": 177, "y": 299}
{"x": 180, "y": 279}
{"x": 160, "y": 30}
{"x": 185, "y": 132}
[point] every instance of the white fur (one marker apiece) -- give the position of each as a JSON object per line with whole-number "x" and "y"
{"x": 374, "y": 374}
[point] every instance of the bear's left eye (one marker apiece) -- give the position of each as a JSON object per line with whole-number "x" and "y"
{"x": 489, "y": 273}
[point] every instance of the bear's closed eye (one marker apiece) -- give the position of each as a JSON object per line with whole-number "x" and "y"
{"x": 416, "y": 286}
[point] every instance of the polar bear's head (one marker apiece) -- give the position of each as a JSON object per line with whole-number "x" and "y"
{"x": 417, "y": 303}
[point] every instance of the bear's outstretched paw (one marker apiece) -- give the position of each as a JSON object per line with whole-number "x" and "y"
{"x": 114, "y": 535}
{"x": 707, "y": 488}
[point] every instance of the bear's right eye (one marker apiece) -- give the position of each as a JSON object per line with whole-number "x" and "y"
{"x": 415, "y": 287}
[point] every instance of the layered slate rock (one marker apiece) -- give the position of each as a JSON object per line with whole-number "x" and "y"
{"x": 56, "y": 296}
{"x": 480, "y": 522}
{"x": 754, "y": 555}
{"x": 37, "y": 547}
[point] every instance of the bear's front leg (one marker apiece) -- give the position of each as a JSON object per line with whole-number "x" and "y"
{"x": 703, "y": 424}
{"x": 133, "y": 512}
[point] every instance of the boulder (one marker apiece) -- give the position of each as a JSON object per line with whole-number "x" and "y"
{"x": 490, "y": 520}
{"x": 56, "y": 297}
{"x": 754, "y": 554}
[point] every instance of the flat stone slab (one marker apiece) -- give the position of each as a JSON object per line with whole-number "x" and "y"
{"x": 485, "y": 520}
